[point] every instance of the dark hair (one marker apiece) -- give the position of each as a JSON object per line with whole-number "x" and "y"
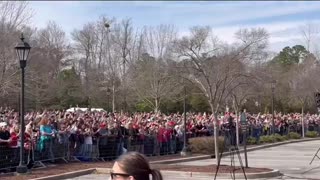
{"x": 136, "y": 165}
{"x": 230, "y": 120}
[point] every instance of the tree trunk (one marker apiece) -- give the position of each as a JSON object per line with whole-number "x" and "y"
{"x": 216, "y": 133}
{"x": 113, "y": 98}
{"x": 124, "y": 86}
{"x": 156, "y": 109}
{"x": 37, "y": 97}
{"x": 237, "y": 124}
{"x": 302, "y": 122}
{"x": 237, "y": 128}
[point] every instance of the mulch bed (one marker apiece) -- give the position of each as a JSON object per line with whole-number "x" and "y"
{"x": 167, "y": 157}
{"x": 210, "y": 168}
{"x": 60, "y": 168}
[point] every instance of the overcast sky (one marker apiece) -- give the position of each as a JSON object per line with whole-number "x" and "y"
{"x": 283, "y": 20}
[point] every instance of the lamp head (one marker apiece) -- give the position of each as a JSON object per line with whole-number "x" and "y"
{"x": 107, "y": 25}
{"x": 22, "y": 50}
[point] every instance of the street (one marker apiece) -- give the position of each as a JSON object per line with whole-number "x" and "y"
{"x": 292, "y": 160}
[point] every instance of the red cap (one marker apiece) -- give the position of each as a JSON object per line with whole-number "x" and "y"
{"x": 103, "y": 125}
{"x": 134, "y": 126}
{"x": 171, "y": 123}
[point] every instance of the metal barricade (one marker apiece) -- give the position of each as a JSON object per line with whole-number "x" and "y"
{"x": 50, "y": 150}
{"x": 95, "y": 149}
{"x": 109, "y": 148}
{"x": 149, "y": 145}
{"x": 9, "y": 157}
{"x": 69, "y": 147}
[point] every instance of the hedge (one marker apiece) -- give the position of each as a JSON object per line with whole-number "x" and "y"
{"x": 312, "y": 134}
{"x": 205, "y": 145}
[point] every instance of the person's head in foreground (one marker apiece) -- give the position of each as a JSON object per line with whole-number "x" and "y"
{"x": 133, "y": 166}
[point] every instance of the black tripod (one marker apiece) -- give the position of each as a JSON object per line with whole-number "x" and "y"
{"x": 230, "y": 144}
{"x": 316, "y": 155}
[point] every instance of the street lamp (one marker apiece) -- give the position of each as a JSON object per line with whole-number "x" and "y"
{"x": 108, "y": 94}
{"x": 273, "y": 84}
{"x": 22, "y": 50}
{"x": 107, "y": 28}
{"x": 184, "y": 151}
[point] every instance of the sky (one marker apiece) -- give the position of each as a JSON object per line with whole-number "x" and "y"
{"x": 283, "y": 20}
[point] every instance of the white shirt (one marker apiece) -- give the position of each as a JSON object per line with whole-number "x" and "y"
{"x": 88, "y": 140}
{"x": 73, "y": 129}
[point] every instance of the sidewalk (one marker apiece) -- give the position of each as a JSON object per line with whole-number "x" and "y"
{"x": 249, "y": 149}
{"x": 292, "y": 160}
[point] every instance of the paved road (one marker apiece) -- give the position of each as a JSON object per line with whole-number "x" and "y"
{"x": 292, "y": 160}
{"x": 170, "y": 176}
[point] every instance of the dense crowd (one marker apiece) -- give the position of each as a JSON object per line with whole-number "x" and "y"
{"x": 93, "y": 134}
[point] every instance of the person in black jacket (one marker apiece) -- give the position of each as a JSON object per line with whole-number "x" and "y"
{"x": 132, "y": 137}
{"x": 102, "y": 133}
{"x": 125, "y": 133}
{"x": 116, "y": 135}
{"x": 5, "y": 151}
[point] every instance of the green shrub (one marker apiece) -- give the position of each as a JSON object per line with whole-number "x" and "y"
{"x": 293, "y": 135}
{"x": 266, "y": 139}
{"x": 205, "y": 145}
{"x": 312, "y": 134}
{"x": 251, "y": 140}
{"x": 279, "y": 138}
{"x": 284, "y": 138}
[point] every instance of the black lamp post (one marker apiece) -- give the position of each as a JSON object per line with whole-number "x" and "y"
{"x": 23, "y": 50}
{"x": 273, "y": 84}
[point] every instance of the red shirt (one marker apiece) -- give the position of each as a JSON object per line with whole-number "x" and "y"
{"x": 14, "y": 140}
{"x": 168, "y": 133}
{"x": 160, "y": 136}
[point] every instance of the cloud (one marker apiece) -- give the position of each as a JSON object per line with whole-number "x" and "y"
{"x": 225, "y": 17}
{"x": 223, "y": 13}
{"x": 281, "y": 33}
{"x": 183, "y": 13}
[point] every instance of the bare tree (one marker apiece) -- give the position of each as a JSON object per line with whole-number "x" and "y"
{"x": 49, "y": 55}
{"x": 104, "y": 52}
{"x": 153, "y": 81}
{"x": 310, "y": 36}
{"x": 53, "y": 43}
{"x": 14, "y": 16}
{"x": 123, "y": 38}
{"x": 302, "y": 83}
{"x": 85, "y": 45}
{"x": 215, "y": 69}
{"x": 152, "y": 77}
{"x": 112, "y": 58}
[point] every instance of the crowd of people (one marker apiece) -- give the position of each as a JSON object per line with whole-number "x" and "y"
{"x": 91, "y": 135}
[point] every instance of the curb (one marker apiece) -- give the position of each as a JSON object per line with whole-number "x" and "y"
{"x": 281, "y": 143}
{"x": 68, "y": 175}
{"x": 274, "y": 173}
{"x": 169, "y": 161}
{"x": 270, "y": 174}
{"x": 202, "y": 157}
{"x": 102, "y": 170}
